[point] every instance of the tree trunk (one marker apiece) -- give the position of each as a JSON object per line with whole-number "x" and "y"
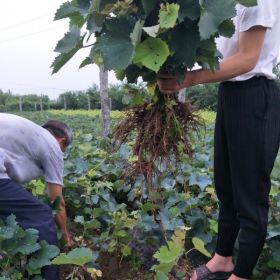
{"x": 64, "y": 101}
{"x": 105, "y": 103}
{"x": 20, "y": 104}
{"x": 88, "y": 102}
{"x": 41, "y": 103}
{"x": 182, "y": 95}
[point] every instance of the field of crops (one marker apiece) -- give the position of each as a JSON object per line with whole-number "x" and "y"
{"x": 121, "y": 233}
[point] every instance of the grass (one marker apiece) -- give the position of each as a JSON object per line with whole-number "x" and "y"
{"x": 208, "y": 116}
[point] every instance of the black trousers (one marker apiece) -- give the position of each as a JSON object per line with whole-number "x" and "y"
{"x": 247, "y": 135}
{"x": 30, "y": 213}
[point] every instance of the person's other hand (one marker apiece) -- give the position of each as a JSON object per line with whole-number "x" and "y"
{"x": 68, "y": 238}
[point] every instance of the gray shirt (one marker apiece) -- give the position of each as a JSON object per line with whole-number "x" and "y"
{"x": 28, "y": 151}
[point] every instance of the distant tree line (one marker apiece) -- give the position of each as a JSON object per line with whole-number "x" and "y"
{"x": 69, "y": 100}
{"x": 32, "y": 102}
{"x": 202, "y": 96}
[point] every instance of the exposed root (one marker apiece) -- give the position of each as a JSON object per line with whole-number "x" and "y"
{"x": 162, "y": 130}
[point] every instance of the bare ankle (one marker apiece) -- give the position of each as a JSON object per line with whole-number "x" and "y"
{"x": 234, "y": 277}
{"x": 220, "y": 263}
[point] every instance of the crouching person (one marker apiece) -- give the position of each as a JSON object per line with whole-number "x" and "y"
{"x": 28, "y": 151}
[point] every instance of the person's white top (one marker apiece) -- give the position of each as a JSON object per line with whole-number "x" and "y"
{"x": 265, "y": 14}
{"x": 28, "y": 151}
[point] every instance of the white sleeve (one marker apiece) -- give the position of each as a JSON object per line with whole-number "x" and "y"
{"x": 53, "y": 168}
{"x": 264, "y": 14}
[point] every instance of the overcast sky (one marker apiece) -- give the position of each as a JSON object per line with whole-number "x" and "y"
{"x": 28, "y": 36}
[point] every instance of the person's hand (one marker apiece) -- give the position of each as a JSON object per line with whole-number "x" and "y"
{"x": 168, "y": 83}
{"x": 68, "y": 238}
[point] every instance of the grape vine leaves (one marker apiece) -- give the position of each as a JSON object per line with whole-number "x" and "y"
{"x": 216, "y": 12}
{"x": 151, "y": 53}
{"x": 149, "y": 35}
{"x": 78, "y": 256}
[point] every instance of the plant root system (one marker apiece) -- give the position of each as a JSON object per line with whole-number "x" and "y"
{"x": 163, "y": 129}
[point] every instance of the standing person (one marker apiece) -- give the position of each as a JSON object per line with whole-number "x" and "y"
{"x": 28, "y": 151}
{"x": 247, "y": 135}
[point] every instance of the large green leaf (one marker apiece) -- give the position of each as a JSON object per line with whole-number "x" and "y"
{"x": 189, "y": 9}
{"x": 168, "y": 254}
{"x": 200, "y": 180}
{"x": 78, "y": 256}
{"x": 42, "y": 257}
{"x": 171, "y": 252}
{"x": 168, "y": 15}
{"x": 184, "y": 43}
{"x": 10, "y": 231}
{"x": 6, "y": 232}
{"x": 76, "y": 13}
{"x": 94, "y": 22}
{"x": 11, "y": 221}
{"x": 95, "y": 18}
{"x": 82, "y": 4}
{"x": 151, "y": 53}
{"x": 215, "y": 12}
{"x": 199, "y": 245}
{"x": 63, "y": 58}
{"x": 85, "y": 62}
{"x": 69, "y": 41}
{"x": 26, "y": 244}
{"x": 116, "y": 44}
{"x": 66, "y": 10}
{"x": 68, "y": 47}
{"x": 247, "y": 3}
{"x": 207, "y": 54}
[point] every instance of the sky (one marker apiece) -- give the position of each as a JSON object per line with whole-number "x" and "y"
{"x": 28, "y": 36}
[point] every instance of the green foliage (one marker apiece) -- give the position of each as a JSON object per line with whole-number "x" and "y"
{"x": 111, "y": 214}
{"x": 149, "y": 35}
{"x": 21, "y": 250}
{"x": 199, "y": 245}
{"x": 75, "y": 100}
{"x": 168, "y": 15}
{"x": 68, "y": 47}
{"x": 78, "y": 256}
{"x": 168, "y": 255}
{"x": 215, "y": 13}
{"x": 204, "y": 96}
{"x": 31, "y": 102}
{"x": 116, "y": 45}
{"x": 42, "y": 257}
{"x": 151, "y": 53}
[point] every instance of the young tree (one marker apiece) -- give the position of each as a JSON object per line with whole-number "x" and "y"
{"x": 140, "y": 38}
{"x": 105, "y": 102}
